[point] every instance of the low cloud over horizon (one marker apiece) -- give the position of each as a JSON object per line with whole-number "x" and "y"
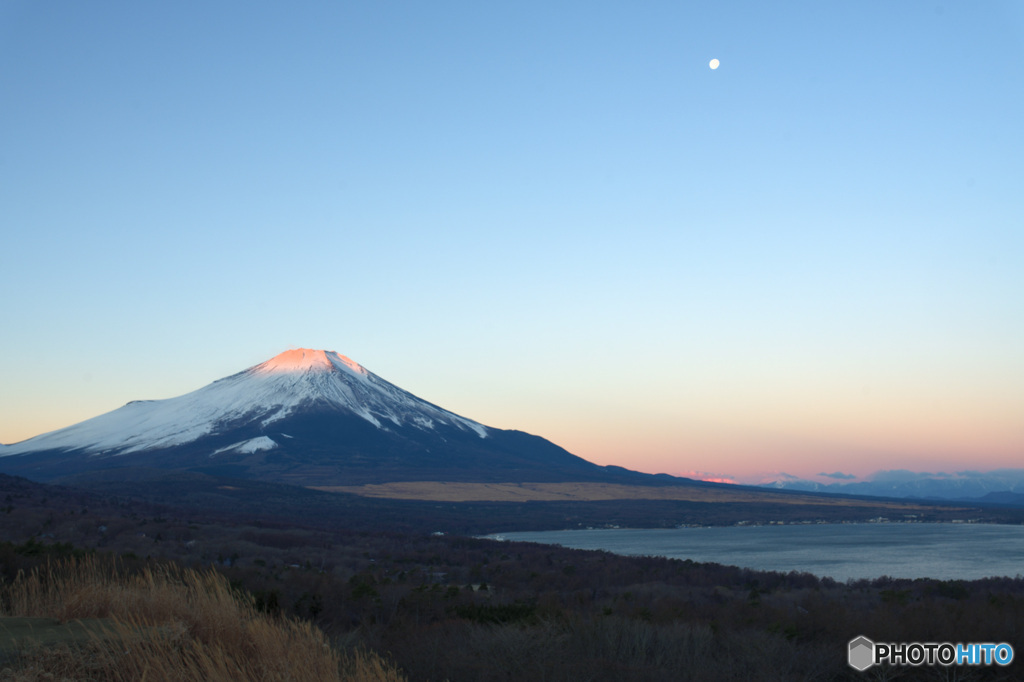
{"x": 838, "y": 475}
{"x": 963, "y": 484}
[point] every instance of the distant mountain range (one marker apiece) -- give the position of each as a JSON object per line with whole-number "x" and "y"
{"x": 306, "y": 417}
{"x": 1000, "y": 486}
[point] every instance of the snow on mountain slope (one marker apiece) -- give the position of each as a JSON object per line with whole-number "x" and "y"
{"x": 249, "y": 446}
{"x": 266, "y": 393}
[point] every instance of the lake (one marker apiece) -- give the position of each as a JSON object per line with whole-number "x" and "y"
{"x": 841, "y": 551}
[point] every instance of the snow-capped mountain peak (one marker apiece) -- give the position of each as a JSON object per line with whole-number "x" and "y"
{"x": 304, "y": 417}
{"x": 294, "y": 381}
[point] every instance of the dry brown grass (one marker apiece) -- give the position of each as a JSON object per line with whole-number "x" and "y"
{"x": 441, "y": 491}
{"x": 169, "y": 624}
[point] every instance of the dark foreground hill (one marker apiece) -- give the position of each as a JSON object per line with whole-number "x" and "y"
{"x": 459, "y": 608}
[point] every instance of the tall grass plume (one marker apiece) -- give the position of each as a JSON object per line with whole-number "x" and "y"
{"x": 168, "y": 623}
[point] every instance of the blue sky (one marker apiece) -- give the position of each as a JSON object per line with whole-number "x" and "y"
{"x": 553, "y": 217}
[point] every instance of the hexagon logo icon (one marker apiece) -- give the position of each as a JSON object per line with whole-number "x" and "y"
{"x": 861, "y": 653}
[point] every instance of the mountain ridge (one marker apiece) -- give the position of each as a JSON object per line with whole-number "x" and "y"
{"x": 306, "y": 417}
{"x": 901, "y": 483}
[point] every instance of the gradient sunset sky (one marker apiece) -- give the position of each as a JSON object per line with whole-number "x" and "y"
{"x": 547, "y": 216}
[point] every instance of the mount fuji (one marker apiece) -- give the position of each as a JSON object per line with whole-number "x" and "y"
{"x": 305, "y": 417}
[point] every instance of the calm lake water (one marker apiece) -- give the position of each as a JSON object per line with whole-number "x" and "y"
{"x": 840, "y": 551}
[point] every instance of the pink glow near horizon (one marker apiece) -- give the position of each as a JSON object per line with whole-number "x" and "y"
{"x": 705, "y": 476}
{"x": 739, "y": 453}
{"x": 750, "y": 442}
{"x": 721, "y": 457}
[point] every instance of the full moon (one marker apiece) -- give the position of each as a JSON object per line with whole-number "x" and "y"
{"x": 713, "y": 64}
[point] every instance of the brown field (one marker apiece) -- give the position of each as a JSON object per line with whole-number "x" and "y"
{"x": 440, "y": 491}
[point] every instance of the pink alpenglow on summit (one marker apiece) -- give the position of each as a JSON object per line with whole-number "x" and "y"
{"x": 302, "y": 359}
